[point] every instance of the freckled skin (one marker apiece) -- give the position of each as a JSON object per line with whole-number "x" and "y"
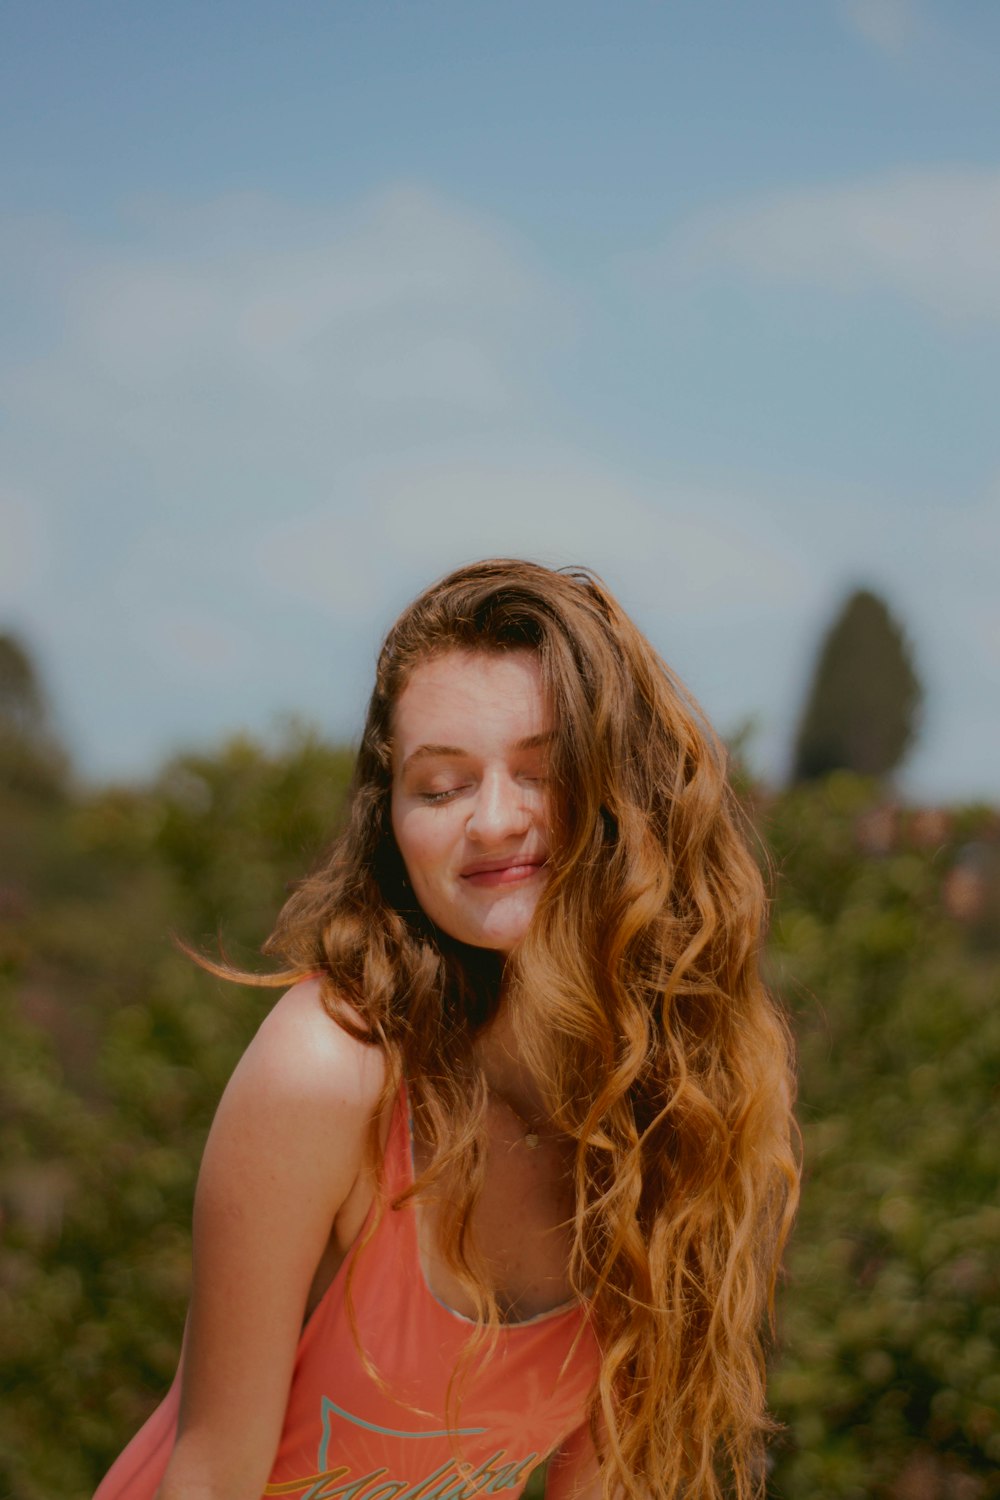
{"x": 471, "y": 824}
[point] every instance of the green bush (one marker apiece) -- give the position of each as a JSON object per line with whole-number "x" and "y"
{"x": 890, "y": 1374}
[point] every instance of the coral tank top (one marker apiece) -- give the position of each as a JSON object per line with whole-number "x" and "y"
{"x": 346, "y": 1436}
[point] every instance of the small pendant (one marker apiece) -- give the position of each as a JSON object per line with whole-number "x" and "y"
{"x": 531, "y": 1140}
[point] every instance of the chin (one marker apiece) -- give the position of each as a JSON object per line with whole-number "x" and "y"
{"x": 500, "y": 936}
{"x": 499, "y": 928}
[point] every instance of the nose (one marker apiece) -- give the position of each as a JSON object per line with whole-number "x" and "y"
{"x": 500, "y": 810}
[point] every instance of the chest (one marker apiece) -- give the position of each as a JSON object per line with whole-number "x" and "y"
{"x": 521, "y": 1223}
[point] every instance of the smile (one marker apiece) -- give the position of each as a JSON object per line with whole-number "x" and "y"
{"x": 503, "y": 871}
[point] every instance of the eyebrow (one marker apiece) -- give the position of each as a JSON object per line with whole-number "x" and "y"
{"x": 428, "y": 752}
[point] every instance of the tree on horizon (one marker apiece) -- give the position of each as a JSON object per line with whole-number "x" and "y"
{"x": 862, "y": 710}
{"x": 32, "y": 760}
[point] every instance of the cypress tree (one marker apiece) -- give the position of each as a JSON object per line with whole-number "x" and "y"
{"x": 861, "y": 713}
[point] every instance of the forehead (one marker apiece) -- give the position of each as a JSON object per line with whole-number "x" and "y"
{"x": 469, "y": 698}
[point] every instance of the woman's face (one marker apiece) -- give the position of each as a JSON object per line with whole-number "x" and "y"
{"x": 471, "y": 735}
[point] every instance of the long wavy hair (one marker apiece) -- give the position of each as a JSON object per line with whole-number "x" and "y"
{"x": 638, "y": 1006}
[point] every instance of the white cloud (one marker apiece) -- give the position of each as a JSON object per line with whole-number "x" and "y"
{"x": 256, "y": 282}
{"x": 887, "y": 24}
{"x": 681, "y": 555}
{"x": 565, "y": 510}
{"x": 248, "y": 314}
{"x": 931, "y": 236}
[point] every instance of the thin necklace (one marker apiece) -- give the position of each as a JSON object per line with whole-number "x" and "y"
{"x": 531, "y": 1137}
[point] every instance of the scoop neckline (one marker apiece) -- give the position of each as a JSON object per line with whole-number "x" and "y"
{"x": 562, "y": 1310}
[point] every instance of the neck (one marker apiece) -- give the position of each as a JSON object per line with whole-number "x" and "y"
{"x": 507, "y": 1073}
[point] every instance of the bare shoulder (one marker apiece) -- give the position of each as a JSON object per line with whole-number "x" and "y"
{"x": 303, "y": 1057}
{"x": 301, "y": 1047}
{"x": 303, "y": 1094}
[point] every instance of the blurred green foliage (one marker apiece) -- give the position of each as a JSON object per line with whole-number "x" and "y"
{"x": 114, "y": 1049}
{"x": 890, "y": 1320}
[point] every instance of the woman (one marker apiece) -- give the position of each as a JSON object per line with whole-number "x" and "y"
{"x": 506, "y": 1174}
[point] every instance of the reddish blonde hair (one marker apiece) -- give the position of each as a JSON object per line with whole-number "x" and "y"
{"x": 638, "y": 1005}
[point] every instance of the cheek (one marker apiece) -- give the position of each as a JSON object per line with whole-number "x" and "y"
{"x": 421, "y": 845}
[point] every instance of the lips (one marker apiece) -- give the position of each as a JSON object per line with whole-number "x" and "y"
{"x": 502, "y": 870}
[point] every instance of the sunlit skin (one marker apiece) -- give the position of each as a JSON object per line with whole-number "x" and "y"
{"x": 469, "y": 796}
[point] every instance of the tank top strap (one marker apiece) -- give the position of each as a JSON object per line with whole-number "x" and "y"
{"x": 398, "y": 1160}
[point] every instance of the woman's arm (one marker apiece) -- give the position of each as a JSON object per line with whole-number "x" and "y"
{"x": 285, "y": 1149}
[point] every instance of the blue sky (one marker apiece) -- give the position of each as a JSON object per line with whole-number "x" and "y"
{"x": 306, "y": 303}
